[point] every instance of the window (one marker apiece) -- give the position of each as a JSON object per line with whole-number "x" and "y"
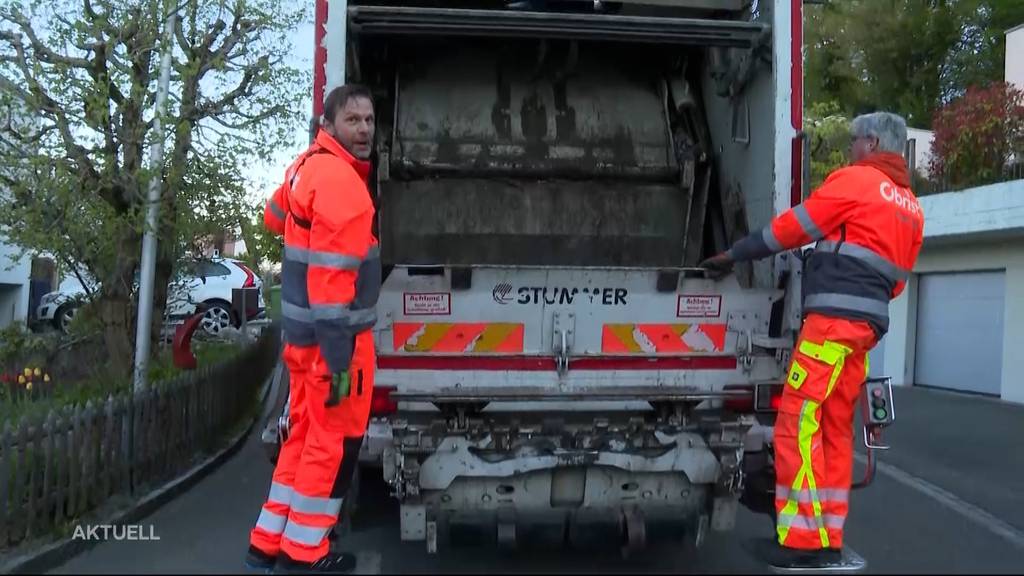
{"x": 208, "y": 269}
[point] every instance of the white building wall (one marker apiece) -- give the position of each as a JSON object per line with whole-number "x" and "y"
{"x": 14, "y": 285}
{"x": 1014, "y": 73}
{"x": 973, "y": 230}
{"x": 923, "y": 140}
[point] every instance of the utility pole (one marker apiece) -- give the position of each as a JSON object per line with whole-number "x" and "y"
{"x": 156, "y": 155}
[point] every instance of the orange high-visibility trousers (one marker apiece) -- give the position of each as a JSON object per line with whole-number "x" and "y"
{"x": 814, "y": 431}
{"x": 317, "y": 461}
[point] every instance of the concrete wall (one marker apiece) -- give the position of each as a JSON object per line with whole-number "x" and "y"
{"x": 1014, "y": 73}
{"x": 973, "y": 230}
{"x": 14, "y": 285}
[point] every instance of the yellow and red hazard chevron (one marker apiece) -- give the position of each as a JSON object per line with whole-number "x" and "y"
{"x": 459, "y": 337}
{"x": 662, "y": 338}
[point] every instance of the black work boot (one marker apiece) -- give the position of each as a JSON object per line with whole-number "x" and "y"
{"x": 333, "y": 563}
{"x": 258, "y": 560}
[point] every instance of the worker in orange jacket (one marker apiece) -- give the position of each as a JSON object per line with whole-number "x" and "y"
{"x": 330, "y": 281}
{"x": 868, "y": 226}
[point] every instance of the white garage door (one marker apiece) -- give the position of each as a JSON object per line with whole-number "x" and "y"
{"x": 960, "y": 331}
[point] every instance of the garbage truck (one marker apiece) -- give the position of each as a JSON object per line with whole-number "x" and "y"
{"x": 552, "y": 362}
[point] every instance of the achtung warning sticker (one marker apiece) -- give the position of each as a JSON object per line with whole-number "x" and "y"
{"x": 694, "y": 306}
{"x": 428, "y": 303}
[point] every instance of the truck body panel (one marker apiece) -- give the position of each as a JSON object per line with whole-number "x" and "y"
{"x": 546, "y": 183}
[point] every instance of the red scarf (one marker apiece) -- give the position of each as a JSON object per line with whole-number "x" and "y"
{"x": 891, "y": 164}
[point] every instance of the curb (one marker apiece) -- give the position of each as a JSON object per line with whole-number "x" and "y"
{"x": 58, "y": 553}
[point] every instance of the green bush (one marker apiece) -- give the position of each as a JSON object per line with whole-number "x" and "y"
{"x": 829, "y": 133}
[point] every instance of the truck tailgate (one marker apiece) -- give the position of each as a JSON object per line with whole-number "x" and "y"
{"x": 619, "y": 333}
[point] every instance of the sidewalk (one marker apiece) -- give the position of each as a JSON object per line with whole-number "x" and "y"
{"x": 968, "y": 445}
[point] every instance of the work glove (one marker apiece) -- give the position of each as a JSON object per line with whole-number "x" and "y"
{"x": 718, "y": 266}
{"x": 339, "y": 389}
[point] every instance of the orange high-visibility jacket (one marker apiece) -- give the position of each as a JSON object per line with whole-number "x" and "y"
{"x": 869, "y": 228}
{"x": 277, "y": 206}
{"x": 331, "y": 270}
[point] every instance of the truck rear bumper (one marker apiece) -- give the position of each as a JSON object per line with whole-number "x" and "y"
{"x": 682, "y": 487}
{"x": 456, "y": 457}
{"x": 586, "y": 505}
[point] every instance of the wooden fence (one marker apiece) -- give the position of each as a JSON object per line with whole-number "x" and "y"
{"x": 55, "y": 469}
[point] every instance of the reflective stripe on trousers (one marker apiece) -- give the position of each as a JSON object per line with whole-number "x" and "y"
{"x": 805, "y": 522}
{"x": 807, "y": 428}
{"x": 310, "y": 536}
{"x": 281, "y": 494}
{"x": 271, "y": 522}
{"x": 288, "y": 525}
{"x": 805, "y": 496}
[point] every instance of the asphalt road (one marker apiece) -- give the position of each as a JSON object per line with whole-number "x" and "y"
{"x": 947, "y": 499}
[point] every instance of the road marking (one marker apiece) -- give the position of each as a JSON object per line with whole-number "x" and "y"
{"x": 950, "y": 500}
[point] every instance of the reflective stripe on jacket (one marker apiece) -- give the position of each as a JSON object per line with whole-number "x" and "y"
{"x": 331, "y": 270}
{"x": 277, "y": 208}
{"x": 868, "y": 226}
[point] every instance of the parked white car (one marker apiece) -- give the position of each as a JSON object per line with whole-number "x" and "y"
{"x": 198, "y": 285}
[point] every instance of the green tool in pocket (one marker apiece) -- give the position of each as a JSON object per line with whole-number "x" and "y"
{"x": 340, "y": 386}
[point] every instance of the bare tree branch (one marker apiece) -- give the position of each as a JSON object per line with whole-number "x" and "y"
{"x": 40, "y": 51}
{"x": 54, "y": 110}
{"x": 32, "y": 139}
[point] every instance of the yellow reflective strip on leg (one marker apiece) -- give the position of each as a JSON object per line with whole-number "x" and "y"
{"x": 791, "y": 508}
{"x": 808, "y": 428}
{"x": 839, "y": 352}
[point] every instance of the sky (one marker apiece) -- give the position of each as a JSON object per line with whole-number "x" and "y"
{"x": 268, "y": 174}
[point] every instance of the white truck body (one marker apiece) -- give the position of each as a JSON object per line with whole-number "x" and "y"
{"x": 545, "y": 383}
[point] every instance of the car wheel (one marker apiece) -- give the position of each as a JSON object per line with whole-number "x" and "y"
{"x": 216, "y": 318}
{"x": 62, "y": 319}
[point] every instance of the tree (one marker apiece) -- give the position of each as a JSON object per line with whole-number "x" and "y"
{"x": 830, "y": 75}
{"x": 979, "y": 59}
{"x": 84, "y": 73}
{"x": 883, "y": 54}
{"x": 263, "y": 247}
{"x": 905, "y": 56}
{"x": 977, "y": 135}
{"x": 829, "y": 133}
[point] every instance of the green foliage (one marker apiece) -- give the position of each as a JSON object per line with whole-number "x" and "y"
{"x": 904, "y": 56}
{"x": 977, "y": 135}
{"x": 829, "y": 133}
{"x": 18, "y": 347}
{"x": 77, "y": 86}
{"x": 264, "y": 247}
